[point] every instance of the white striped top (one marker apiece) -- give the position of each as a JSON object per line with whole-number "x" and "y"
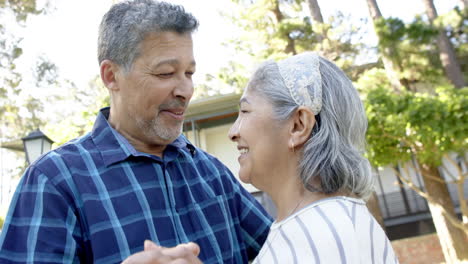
{"x": 332, "y": 230}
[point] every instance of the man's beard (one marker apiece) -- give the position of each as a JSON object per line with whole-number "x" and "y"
{"x": 156, "y": 129}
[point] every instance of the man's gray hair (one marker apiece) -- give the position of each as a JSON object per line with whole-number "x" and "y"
{"x": 333, "y": 154}
{"x": 127, "y": 23}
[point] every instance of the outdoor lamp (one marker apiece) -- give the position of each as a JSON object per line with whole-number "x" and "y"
{"x": 36, "y": 144}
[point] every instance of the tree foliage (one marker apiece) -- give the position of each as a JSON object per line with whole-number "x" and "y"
{"x": 74, "y": 123}
{"x": 275, "y": 29}
{"x": 426, "y": 125}
{"x": 40, "y": 98}
{"x": 20, "y": 111}
{"x": 455, "y": 24}
{"x": 23, "y": 8}
{"x": 414, "y": 47}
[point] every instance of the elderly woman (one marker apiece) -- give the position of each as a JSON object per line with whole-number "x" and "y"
{"x": 301, "y": 136}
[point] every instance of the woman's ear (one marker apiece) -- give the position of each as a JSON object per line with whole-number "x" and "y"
{"x": 303, "y": 120}
{"x": 109, "y": 72}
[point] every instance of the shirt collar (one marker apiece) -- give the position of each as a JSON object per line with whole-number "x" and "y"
{"x": 115, "y": 148}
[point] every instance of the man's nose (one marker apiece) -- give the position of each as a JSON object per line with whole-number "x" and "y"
{"x": 184, "y": 89}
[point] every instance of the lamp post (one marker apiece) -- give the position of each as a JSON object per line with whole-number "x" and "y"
{"x": 36, "y": 144}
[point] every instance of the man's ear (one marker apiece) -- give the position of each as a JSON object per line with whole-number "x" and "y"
{"x": 109, "y": 74}
{"x": 303, "y": 120}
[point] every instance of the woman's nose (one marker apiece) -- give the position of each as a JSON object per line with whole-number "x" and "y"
{"x": 233, "y": 133}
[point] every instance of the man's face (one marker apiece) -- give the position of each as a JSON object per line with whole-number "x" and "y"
{"x": 151, "y": 99}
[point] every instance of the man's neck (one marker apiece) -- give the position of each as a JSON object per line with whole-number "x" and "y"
{"x": 140, "y": 142}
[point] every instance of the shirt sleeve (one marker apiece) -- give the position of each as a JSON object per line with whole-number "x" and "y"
{"x": 40, "y": 226}
{"x": 255, "y": 222}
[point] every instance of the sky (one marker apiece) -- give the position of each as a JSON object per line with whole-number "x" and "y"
{"x": 68, "y": 34}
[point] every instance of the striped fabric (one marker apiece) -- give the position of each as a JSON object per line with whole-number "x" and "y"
{"x": 332, "y": 230}
{"x": 96, "y": 199}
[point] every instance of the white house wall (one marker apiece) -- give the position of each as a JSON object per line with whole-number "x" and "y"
{"x": 387, "y": 180}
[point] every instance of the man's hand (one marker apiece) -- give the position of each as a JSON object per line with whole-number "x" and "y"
{"x": 154, "y": 254}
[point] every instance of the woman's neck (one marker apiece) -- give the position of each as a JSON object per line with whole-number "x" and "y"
{"x": 288, "y": 192}
{"x": 292, "y": 196}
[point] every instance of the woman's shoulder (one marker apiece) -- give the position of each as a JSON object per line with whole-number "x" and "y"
{"x": 333, "y": 207}
{"x": 330, "y": 229}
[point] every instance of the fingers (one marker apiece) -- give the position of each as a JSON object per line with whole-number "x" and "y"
{"x": 193, "y": 247}
{"x": 185, "y": 261}
{"x": 148, "y": 257}
{"x": 148, "y": 245}
{"x": 184, "y": 253}
{"x": 182, "y": 250}
{"x": 154, "y": 254}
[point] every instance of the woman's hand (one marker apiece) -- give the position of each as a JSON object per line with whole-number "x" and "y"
{"x": 154, "y": 254}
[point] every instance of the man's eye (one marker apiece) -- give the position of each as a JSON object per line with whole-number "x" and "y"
{"x": 190, "y": 73}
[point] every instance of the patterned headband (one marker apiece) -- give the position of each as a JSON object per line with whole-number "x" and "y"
{"x": 301, "y": 74}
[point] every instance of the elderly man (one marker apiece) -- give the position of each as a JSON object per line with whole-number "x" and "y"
{"x": 134, "y": 177}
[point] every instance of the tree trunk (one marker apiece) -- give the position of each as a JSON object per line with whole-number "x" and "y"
{"x": 374, "y": 208}
{"x": 446, "y": 52}
{"x": 463, "y": 4}
{"x": 390, "y": 68}
{"x": 317, "y": 18}
{"x": 315, "y": 11}
{"x": 291, "y": 46}
{"x": 453, "y": 241}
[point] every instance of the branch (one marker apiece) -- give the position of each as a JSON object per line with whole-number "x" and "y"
{"x": 452, "y": 219}
{"x": 410, "y": 184}
{"x": 459, "y": 170}
{"x": 454, "y": 178}
{"x": 430, "y": 176}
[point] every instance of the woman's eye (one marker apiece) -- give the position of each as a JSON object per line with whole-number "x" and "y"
{"x": 165, "y": 75}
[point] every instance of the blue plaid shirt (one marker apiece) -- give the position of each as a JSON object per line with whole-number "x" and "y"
{"x": 96, "y": 199}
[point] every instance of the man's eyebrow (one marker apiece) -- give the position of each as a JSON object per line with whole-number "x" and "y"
{"x": 172, "y": 62}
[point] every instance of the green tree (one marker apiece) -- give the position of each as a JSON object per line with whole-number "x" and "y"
{"x": 388, "y": 51}
{"x": 426, "y": 127}
{"x": 75, "y": 122}
{"x": 413, "y": 48}
{"x": 446, "y": 51}
{"x": 423, "y": 121}
{"x": 413, "y": 51}
{"x": 455, "y": 24}
{"x": 24, "y": 95}
{"x": 19, "y": 111}
{"x": 274, "y": 29}
{"x": 21, "y": 105}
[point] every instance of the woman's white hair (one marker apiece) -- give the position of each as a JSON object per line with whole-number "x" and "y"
{"x": 333, "y": 154}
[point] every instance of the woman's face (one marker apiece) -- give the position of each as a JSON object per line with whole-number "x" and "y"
{"x": 261, "y": 140}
